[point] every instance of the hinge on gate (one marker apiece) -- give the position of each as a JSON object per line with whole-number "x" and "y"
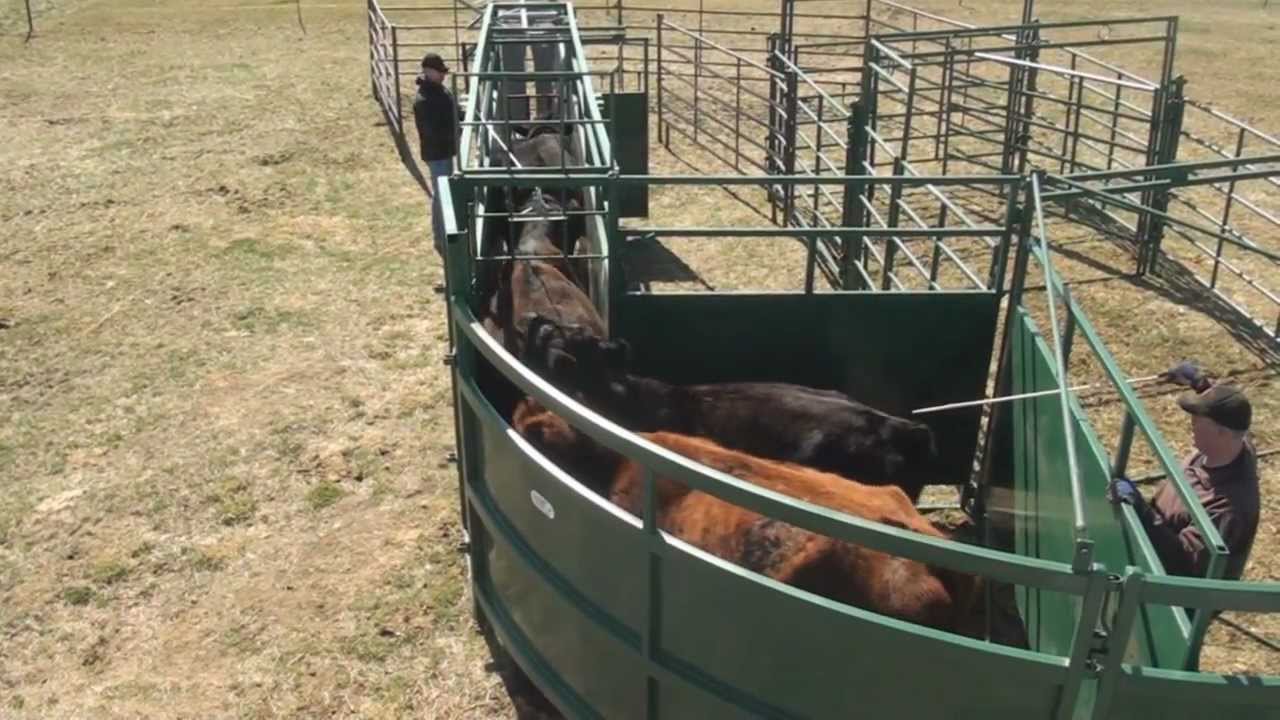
{"x": 1100, "y": 641}
{"x": 448, "y": 359}
{"x": 1099, "y": 646}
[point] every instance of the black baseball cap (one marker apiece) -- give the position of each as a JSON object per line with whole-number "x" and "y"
{"x": 435, "y": 62}
{"x": 1223, "y": 404}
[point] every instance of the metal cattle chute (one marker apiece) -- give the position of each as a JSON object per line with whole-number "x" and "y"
{"x": 923, "y": 166}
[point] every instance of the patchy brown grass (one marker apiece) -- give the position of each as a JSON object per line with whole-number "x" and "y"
{"x": 225, "y": 416}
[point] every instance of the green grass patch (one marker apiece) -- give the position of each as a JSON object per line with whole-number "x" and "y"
{"x": 254, "y": 252}
{"x": 258, "y": 319}
{"x": 234, "y": 502}
{"x": 324, "y": 494}
{"x": 201, "y": 561}
{"x": 78, "y": 595}
{"x": 109, "y": 572}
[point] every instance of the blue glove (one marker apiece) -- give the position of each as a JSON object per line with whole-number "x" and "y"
{"x": 1122, "y": 490}
{"x": 1186, "y": 373}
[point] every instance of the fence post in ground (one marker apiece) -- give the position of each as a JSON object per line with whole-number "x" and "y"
{"x": 790, "y": 106}
{"x": 373, "y": 50}
{"x": 662, "y": 138}
{"x": 1171, "y": 130}
{"x": 395, "y": 65}
{"x": 773, "y": 133}
{"x": 1226, "y": 216}
{"x": 697, "y": 74}
{"x": 852, "y": 213}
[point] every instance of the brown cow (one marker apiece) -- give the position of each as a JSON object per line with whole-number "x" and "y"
{"x": 855, "y": 575}
{"x": 545, "y": 287}
{"x": 823, "y": 429}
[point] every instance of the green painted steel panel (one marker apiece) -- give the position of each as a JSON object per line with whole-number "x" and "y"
{"x": 811, "y": 658}
{"x": 893, "y": 351}
{"x": 628, "y": 113}
{"x": 1042, "y": 494}
{"x": 1170, "y": 695}
{"x": 584, "y": 540}
{"x": 1043, "y": 500}
{"x": 606, "y": 674}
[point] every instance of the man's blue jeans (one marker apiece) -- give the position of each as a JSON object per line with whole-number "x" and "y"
{"x": 438, "y": 168}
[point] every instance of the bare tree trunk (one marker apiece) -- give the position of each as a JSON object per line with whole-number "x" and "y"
{"x": 297, "y": 4}
{"x": 31, "y": 25}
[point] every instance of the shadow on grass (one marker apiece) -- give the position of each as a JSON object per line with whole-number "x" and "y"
{"x": 526, "y": 698}
{"x": 404, "y": 151}
{"x": 1176, "y": 283}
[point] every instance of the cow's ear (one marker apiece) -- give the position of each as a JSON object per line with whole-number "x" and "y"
{"x": 561, "y": 363}
{"x": 617, "y": 354}
{"x": 539, "y": 330}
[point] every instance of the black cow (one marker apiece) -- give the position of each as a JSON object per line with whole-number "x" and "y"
{"x": 822, "y": 429}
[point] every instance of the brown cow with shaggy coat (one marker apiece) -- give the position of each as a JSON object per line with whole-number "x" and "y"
{"x": 890, "y": 585}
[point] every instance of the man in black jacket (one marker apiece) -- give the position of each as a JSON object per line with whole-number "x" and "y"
{"x": 436, "y": 114}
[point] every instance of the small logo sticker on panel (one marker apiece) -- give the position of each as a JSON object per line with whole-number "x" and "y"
{"x": 542, "y": 504}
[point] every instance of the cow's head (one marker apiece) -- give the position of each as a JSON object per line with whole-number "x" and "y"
{"x": 574, "y": 358}
{"x": 910, "y": 455}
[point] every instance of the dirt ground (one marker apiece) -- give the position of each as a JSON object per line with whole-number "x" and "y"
{"x": 223, "y": 414}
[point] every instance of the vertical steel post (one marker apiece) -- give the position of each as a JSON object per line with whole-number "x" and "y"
{"x": 1115, "y": 124}
{"x": 1142, "y": 230}
{"x": 457, "y": 36}
{"x": 1226, "y": 215}
{"x": 1072, "y": 100}
{"x": 664, "y": 139}
{"x": 905, "y": 147}
{"x": 395, "y": 62}
{"x": 1170, "y": 133}
{"x": 817, "y": 157}
{"x": 890, "y": 248}
{"x": 774, "y": 131}
{"x": 697, "y": 74}
{"x": 1121, "y": 461}
{"x": 789, "y": 145}
{"x": 737, "y": 118}
{"x": 851, "y": 212}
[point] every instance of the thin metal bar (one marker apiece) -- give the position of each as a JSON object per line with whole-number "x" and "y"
{"x": 1073, "y": 473}
{"x": 1021, "y": 396}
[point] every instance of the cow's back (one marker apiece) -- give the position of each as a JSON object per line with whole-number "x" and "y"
{"x": 823, "y": 429}
{"x": 843, "y": 571}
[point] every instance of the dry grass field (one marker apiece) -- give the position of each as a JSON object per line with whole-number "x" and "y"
{"x": 223, "y": 413}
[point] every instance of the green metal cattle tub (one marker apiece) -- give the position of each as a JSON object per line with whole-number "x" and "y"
{"x": 612, "y": 618}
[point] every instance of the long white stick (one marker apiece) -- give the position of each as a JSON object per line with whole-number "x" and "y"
{"x": 1023, "y": 396}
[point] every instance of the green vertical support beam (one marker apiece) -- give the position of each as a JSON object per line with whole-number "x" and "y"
{"x": 460, "y": 356}
{"x": 1082, "y": 643}
{"x": 652, "y": 635}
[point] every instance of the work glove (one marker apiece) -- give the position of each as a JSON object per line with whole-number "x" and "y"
{"x": 1122, "y": 490}
{"x": 1186, "y": 373}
